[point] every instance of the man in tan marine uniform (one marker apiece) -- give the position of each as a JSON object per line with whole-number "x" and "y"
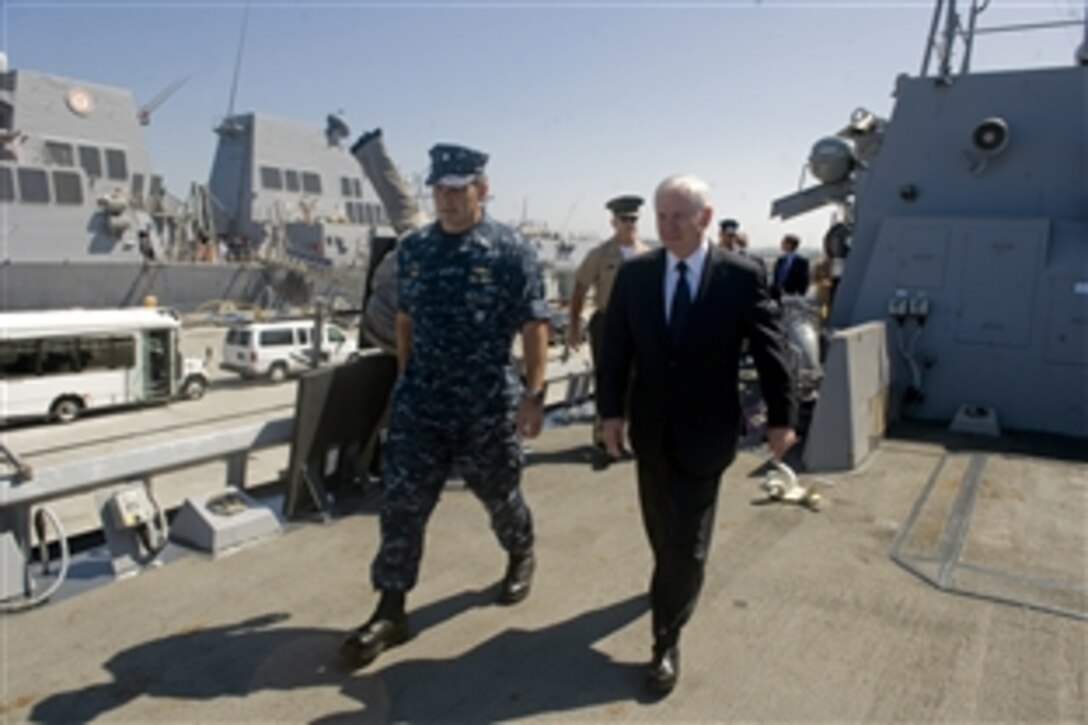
{"x": 598, "y": 272}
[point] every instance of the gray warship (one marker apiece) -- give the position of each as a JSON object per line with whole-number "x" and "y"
{"x": 964, "y": 231}
{"x": 88, "y": 223}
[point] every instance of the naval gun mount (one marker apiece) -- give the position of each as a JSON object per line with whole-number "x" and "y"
{"x": 963, "y": 232}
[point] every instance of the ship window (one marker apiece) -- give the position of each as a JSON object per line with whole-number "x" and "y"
{"x": 116, "y": 164}
{"x": 271, "y": 178}
{"x": 374, "y": 213}
{"x": 311, "y": 182}
{"x": 357, "y": 186}
{"x": 291, "y": 177}
{"x": 33, "y": 186}
{"x": 90, "y": 158}
{"x": 137, "y": 188}
{"x": 58, "y": 154}
{"x": 156, "y": 186}
{"x": 345, "y": 186}
{"x": 68, "y": 187}
{"x": 7, "y": 184}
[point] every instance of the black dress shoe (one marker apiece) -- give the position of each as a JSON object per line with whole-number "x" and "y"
{"x": 663, "y": 671}
{"x": 518, "y": 580}
{"x": 379, "y": 634}
{"x": 601, "y": 459}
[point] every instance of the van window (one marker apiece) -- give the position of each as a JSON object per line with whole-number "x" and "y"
{"x": 335, "y": 335}
{"x": 303, "y": 335}
{"x": 276, "y": 338}
{"x": 238, "y": 336}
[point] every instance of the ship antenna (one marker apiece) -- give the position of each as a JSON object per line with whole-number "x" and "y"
{"x": 238, "y": 62}
{"x": 144, "y": 114}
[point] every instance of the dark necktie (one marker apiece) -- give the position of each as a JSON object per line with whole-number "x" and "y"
{"x": 681, "y": 304}
{"x": 782, "y": 270}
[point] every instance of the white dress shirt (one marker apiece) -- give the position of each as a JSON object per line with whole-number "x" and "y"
{"x": 694, "y": 273}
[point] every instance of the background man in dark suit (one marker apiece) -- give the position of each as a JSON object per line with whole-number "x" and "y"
{"x": 673, "y": 336}
{"x": 790, "y": 270}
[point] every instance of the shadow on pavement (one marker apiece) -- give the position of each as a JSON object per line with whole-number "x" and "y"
{"x": 516, "y": 672}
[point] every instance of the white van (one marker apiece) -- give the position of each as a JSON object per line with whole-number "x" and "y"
{"x": 277, "y": 349}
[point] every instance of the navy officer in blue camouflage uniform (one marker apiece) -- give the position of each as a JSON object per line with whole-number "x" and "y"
{"x": 466, "y": 286}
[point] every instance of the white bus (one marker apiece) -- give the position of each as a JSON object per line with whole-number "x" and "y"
{"x": 57, "y": 364}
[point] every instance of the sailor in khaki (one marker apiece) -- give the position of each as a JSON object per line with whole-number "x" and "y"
{"x": 597, "y": 272}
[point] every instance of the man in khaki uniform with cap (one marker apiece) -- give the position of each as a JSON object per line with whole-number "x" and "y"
{"x": 598, "y": 271}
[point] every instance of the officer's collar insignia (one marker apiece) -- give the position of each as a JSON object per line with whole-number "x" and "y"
{"x": 481, "y": 275}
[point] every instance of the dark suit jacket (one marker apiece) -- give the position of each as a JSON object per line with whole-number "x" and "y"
{"x": 796, "y": 282}
{"x": 684, "y": 402}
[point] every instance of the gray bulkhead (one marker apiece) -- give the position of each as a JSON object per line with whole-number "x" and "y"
{"x": 68, "y": 143}
{"x": 996, "y": 242}
{"x": 273, "y": 177}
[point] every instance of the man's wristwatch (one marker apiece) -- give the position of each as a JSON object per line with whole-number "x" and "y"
{"x": 537, "y": 397}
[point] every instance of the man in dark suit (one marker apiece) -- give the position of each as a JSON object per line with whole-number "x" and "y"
{"x": 673, "y": 336}
{"x": 790, "y": 270}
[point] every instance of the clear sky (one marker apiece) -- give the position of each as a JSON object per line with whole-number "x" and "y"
{"x": 575, "y": 101}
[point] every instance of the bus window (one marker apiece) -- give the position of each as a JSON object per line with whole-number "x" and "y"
{"x": 107, "y": 353}
{"x": 60, "y": 355}
{"x": 18, "y": 359}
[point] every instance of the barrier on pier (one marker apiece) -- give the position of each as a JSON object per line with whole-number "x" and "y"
{"x": 338, "y": 411}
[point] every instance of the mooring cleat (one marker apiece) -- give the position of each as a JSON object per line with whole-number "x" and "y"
{"x": 781, "y": 485}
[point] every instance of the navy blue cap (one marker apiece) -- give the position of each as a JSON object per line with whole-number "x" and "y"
{"x": 623, "y": 205}
{"x": 453, "y": 165}
{"x": 729, "y": 224}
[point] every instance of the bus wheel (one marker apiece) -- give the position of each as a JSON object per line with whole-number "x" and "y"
{"x": 194, "y": 388}
{"x": 65, "y": 410}
{"x": 277, "y": 373}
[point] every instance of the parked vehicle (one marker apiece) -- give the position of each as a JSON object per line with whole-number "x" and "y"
{"x": 58, "y": 364}
{"x": 277, "y": 349}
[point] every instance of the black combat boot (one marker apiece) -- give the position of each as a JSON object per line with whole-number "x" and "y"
{"x": 664, "y": 669}
{"x": 519, "y": 577}
{"x": 386, "y": 628}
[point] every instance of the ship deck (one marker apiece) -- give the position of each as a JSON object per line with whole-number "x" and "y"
{"x": 805, "y": 616}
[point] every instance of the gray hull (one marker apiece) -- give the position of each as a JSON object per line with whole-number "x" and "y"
{"x": 183, "y": 286}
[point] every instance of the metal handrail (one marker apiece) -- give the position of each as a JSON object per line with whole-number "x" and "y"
{"x": 67, "y": 479}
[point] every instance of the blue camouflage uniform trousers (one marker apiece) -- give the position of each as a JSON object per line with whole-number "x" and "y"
{"x": 455, "y": 405}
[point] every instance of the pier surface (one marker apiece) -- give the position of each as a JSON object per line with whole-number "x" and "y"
{"x": 804, "y": 616}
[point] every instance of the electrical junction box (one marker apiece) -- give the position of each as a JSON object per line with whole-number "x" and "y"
{"x": 131, "y": 507}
